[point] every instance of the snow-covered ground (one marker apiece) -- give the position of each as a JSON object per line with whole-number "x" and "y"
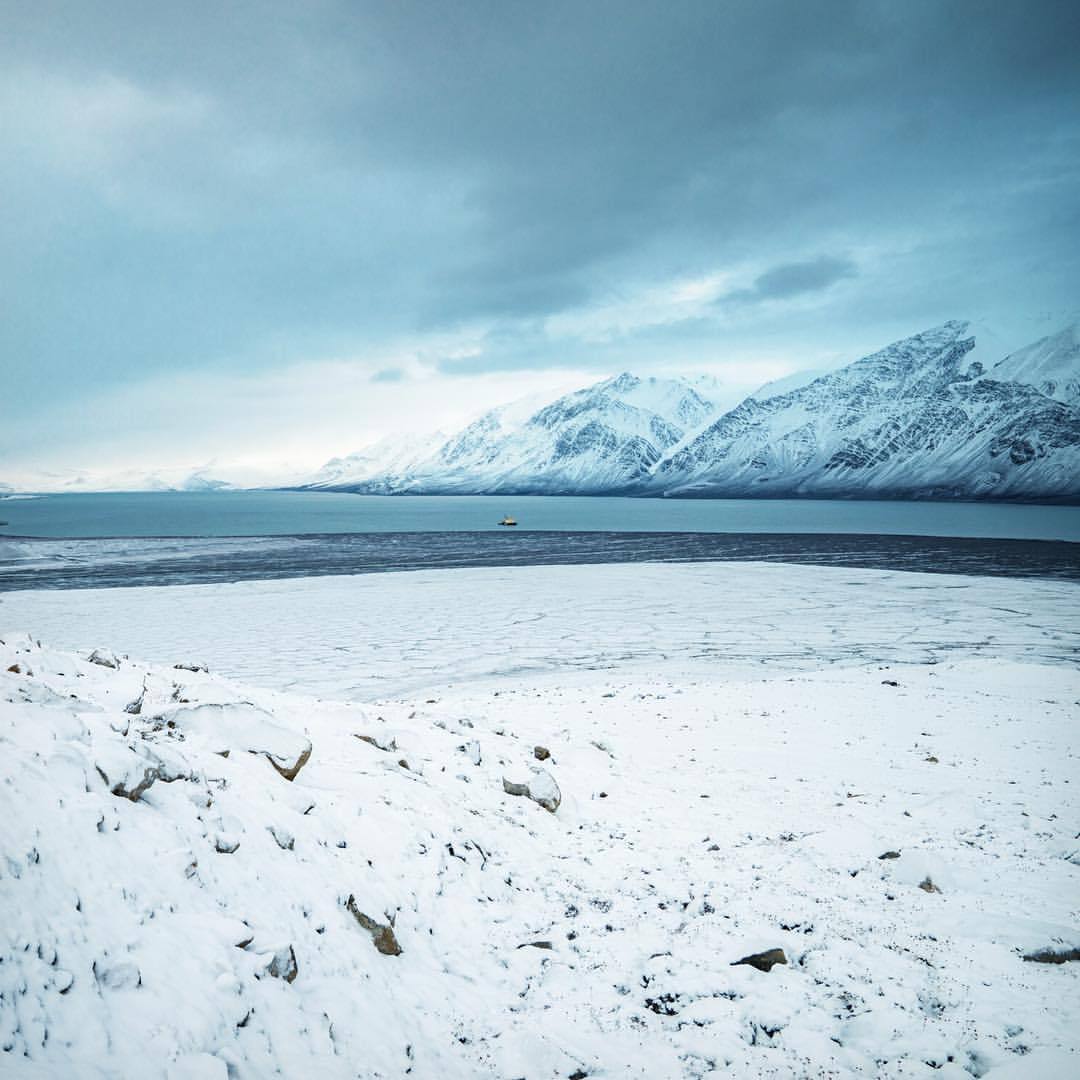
{"x": 735, "y": 747}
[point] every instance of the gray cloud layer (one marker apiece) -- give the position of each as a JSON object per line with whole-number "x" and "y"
{"x": 796, "y": 279}
{"x": 231, "y": 188}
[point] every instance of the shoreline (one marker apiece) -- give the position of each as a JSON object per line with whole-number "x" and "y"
{"x": 37, "y": 563}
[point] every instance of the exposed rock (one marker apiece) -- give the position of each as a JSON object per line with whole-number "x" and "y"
{"x": 889, "y": 682}
{"x": 382, "y": 934}
{"x": 190, "y": 667}
{"x": 380, "y": 742}
{"x": 889, "y": 855}
{"x": 225, "y": 843}
{"x": 15, "y": 669}
{"x": 282, "y": 837}
{"x": 541, "y": 753}
{"x": 134, "y": 708}
{"x": 932, "y": 760}
{"x": 104, "y": 657}
{"x": 1052, "y": 956}
{"x": 128, "y": 774}
{"x": 663, "y": 1004}
{"x": 288, "y": 766}
{"x": 536, "y": 945}
{"x": 540, "y": 787}
{"x": 928, "y": 886}
{"x": 283, "y": 965}
{"x": 763, "y": 961}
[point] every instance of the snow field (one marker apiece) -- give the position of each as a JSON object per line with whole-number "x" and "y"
{"x": 711, "y": 807}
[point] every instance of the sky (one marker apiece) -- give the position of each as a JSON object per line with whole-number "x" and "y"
{"x": 273, "y": 232}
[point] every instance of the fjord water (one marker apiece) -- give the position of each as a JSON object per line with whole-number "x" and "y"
{"x": 289, "y": 513}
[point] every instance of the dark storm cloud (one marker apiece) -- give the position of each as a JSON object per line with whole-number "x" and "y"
{"x": 208, "y": 186}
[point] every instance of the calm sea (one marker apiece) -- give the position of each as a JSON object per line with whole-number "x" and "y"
{"x": 187, "y": 514}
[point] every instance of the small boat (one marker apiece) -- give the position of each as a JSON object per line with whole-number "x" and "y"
{"x": 508, "y": 521}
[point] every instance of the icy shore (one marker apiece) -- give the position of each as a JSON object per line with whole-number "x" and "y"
{"x": 316, "y": 864}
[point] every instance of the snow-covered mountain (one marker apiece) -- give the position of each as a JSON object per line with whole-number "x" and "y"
{"x": 601, "y": 439}
{"x": 913, "y": 420}
{"x": 919, "y": 419}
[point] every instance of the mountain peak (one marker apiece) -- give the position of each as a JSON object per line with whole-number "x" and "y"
{"x": 622, "y": 384}
{"x": 1051, "y": 364}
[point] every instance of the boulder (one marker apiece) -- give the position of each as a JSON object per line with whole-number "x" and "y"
{"x": 283, "y": 965}
{"x": 763, "y": 961}
{"x": 540, "y": 787}
{"x": 242, "y": 726}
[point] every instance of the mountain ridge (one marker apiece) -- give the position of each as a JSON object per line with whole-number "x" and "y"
{"x": 912, "y": 420}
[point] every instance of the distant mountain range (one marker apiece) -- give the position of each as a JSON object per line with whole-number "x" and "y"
{"x": 919, "y": 419}
{"x": 932, "y": 416}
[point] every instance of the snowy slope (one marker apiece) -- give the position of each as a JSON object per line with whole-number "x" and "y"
{"x": 390, "y": 457}
{"x": 914, "y": 419}
{"x": 1051, "y": 365}
{"x": 602, "y": 438}
{"x": 226, "y": 920}
{"x": 786, "y": 384}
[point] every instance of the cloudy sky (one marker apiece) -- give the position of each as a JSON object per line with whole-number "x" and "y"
{"x": 275, "y": 231}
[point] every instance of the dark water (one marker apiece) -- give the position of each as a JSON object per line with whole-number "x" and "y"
{"x": 282, "y": 513}
{"x": 60, "y": 564}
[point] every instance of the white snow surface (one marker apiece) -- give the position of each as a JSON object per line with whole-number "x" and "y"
{"x": 393, "y": 455}
{"x": 732, "y": 761}
{"x": 1051, "y": 365}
